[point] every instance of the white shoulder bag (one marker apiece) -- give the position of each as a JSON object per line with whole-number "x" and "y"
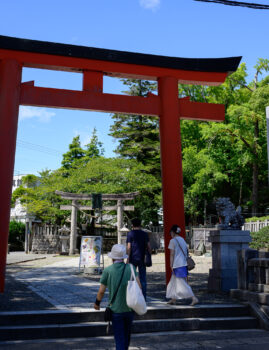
{"x": 134, "y": 296}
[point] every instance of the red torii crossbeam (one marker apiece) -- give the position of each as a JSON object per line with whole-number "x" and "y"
{"x": 95, "y": 63}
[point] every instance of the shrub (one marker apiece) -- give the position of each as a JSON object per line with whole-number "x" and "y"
{"x": 260, "y": 240}
{"x": 255, "y": 218}
{"x": 16, "y": 235}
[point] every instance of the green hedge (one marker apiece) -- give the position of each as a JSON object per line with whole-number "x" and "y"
{"x": 260, "y": 240}
{"x": 255, "y": 218}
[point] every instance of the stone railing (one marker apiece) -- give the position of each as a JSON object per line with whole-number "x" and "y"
{"x": 253, "y": 283}
{"x": 253, "y": 276}
{"x": 258, "y": 269}
{"x": 255, "y": 226}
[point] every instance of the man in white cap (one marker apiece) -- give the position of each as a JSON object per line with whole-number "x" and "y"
{"x": 115, "y": 277}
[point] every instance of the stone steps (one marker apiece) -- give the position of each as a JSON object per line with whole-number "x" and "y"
{"x": 66, "y": 324}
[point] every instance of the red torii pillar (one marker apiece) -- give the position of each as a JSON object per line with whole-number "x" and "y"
{"x": 93, "y": 64}
{"x": 10, "y": 80}
{"x": 171, "y": 160}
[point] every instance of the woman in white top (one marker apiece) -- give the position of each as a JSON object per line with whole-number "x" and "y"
{"x": 178, "y": 287}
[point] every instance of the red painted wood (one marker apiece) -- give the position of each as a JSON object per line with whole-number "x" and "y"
{"x": 10, "y": 79}
{"x": 93, "y": 81}
{"x": 58, "y": 98}
{"x": 115, "y": 69}
{"x": 172, "y": 179}
{"x": 88, "y": 100}
{"x": 201, "y": 111}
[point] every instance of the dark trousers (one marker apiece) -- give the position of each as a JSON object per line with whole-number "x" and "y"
{"x": 143, "y": 278}
{"x": 122, "y": 323}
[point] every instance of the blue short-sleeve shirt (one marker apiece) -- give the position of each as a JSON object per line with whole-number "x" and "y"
{"x": 139, "y": 240}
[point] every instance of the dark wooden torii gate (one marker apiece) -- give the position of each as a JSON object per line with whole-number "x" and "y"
{"x": 93, "y": 64}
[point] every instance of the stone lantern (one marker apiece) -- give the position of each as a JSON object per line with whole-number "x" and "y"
{"x": 64, "y": 238}
{"x": 123, "y": 235}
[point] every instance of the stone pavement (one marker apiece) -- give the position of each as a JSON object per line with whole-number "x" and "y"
{"x": 20, "y": 257}
{"x": 55, "y": 283}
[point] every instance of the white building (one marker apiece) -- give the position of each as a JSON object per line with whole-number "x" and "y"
{"x": 18, "y": 213}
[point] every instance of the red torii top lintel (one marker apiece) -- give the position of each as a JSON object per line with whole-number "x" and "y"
{"x": 95, "y": 63}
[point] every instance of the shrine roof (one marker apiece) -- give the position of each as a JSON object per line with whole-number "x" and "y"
{"x": 227, "y": 64}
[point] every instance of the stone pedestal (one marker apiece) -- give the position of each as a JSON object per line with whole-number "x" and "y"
{"x": 225, "y": 244}
{"x": 64, "y": 241}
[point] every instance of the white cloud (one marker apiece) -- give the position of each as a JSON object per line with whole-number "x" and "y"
{"x": 42, "y": 114}
{"x": 150, "y": 4}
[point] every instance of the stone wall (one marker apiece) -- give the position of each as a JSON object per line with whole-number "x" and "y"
{"x": 45, "y": 239}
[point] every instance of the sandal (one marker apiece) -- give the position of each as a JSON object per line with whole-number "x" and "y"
{"x": 194, "y": 301}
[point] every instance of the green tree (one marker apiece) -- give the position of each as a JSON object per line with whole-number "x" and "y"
{"x": 75, "y": 153}
{"x": 16, "y": 235}
{"x": 138, "y": 135}
{"x": 202, "y": 178}
{"x": 238, "y": 144}
{"x": 118, "y": 175}
{"x": 40, "y": 200}
{"x": 242, "y": 136}
{"x": 99, "y": 175}
{"x": 94, "y": 148}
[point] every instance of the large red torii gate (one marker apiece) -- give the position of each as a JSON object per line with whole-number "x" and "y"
{"x": 94, "y": 63}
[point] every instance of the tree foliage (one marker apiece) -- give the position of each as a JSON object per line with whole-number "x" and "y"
{"x": 94, "y": 148}
{"x": 74, "y": 154}
{"x": 99, "y": 175}
{"x": 16, "y": 235}
{"x": 138, "y": 135}
{"x": 260, "y": 239}
{"x": 238, "y": 145}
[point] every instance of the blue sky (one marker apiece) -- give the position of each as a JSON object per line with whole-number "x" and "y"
{"x": 180, "y": 28}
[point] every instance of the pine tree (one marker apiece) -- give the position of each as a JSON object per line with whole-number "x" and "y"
{"x": 138, "y": 135}
{"x": 74, "y": 154}
{"x": 94, "y": 148}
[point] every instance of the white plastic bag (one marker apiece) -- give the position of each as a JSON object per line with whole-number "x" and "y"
{"x": 134, "y": 296}
{"x": 178, "y": 288}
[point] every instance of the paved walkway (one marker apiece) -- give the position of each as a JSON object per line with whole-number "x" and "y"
{"x": 57, "y": 283}
{"x": 54, "y": 282}
{"x": 20, "y": 257}
{"x": 61, "y": 285}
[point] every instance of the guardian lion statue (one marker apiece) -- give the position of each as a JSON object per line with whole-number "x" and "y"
{"x": 230, "y": 219}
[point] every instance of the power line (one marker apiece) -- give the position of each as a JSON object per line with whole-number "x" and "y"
{"x": 238, "y": 3}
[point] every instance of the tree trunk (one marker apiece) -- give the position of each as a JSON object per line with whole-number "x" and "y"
{"x": 255, "y": 172}
{"x": 240, "y": 190}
